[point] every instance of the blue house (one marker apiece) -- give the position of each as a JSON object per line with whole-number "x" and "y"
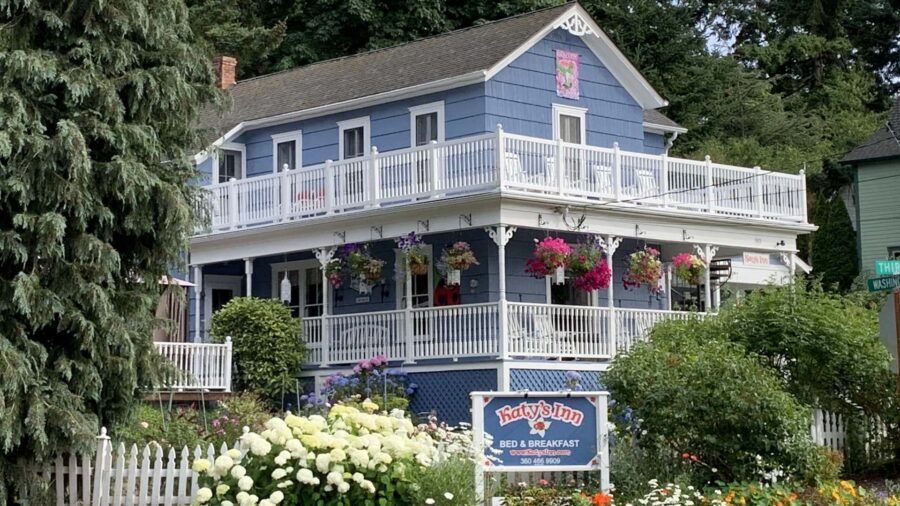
{"x": 497, "y": 135}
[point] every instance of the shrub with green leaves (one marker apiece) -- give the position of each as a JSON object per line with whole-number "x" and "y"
{"x": 712, "y": 400}
{"x": 268, "y": 348}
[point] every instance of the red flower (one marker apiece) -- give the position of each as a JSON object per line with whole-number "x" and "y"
{"x": 539, "y": 425}
{"x": 601, "y": 499}
{"x": 542, "y": 482}
{"x": 685, "y": 455}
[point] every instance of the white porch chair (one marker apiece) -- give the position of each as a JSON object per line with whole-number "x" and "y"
{"x": 603, "y": 180}
{"x": 515, "y": 173}
{"x": 551, "y": 338}
{"x": 646, "y": 185}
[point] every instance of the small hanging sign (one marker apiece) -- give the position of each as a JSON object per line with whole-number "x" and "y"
{"x": 567, "y": 64}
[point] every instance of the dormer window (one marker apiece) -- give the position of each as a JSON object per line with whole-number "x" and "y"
{"x": 354, "y": 137}
{"x": 286, "y": 151}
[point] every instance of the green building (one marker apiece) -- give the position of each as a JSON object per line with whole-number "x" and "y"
{"x": 877, "y": 192}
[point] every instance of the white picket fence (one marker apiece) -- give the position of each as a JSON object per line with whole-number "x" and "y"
{"x": 830, "y": 430}
{"x": 128, "y": 477}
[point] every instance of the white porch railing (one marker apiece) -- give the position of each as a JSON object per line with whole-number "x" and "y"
{"x": 530, "y": 165}
{"x": 473, "y": 330}
{"x": 200, "y": 366}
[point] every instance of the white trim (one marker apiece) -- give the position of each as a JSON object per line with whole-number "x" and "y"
{"x": 568, "y": 110}
{"x": 222, "y": 282}
{"x": 348, "y": 124}
{"x": 661, "y": 129}
{"x": 601, "y": 45}
{"x": 418, "y": 110}
{"x": 297, "y": 137}
{"x": 400, "y": 276}
{"x": 448, "y": 367}
{"x": 229, "y": 146}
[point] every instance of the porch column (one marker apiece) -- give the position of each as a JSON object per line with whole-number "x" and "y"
{"x": 610, "y": 244}
{"x": 501, "y": 234}
{"x": 248, "y": 276}
{"x": 707, "y": 252}
{"x": 408, "y": 319}
{"x": 198, "y": 291}
{"x": 669, "y": 268}
{"x": 324, "y": 256}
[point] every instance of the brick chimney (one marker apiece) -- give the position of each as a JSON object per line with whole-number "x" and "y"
{"x": 224, "y": 71}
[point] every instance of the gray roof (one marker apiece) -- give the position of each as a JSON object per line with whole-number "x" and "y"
{"x": 422, "y": 61}
{"x": 655, "y": 117}
{"x": 885, "y": 143}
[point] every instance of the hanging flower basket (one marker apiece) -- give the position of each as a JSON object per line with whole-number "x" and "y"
{"x": 362, "y": 265}
{"x": 333, "y": 272}
{"x": 644, "y": 268}
{"x": 455, "y": 259}
{"x": 414, "y": 250}
{"x": 689, "y": 268}
{"x": 549, "y": 258}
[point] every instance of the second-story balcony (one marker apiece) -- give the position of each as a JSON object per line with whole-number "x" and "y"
{"x": 527, "y": 166}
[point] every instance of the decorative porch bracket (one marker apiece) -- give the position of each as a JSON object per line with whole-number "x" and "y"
{"x": 501, "y": 235}
{"x": 324, "y": 256}
{"x": 706, "y": 253}
{"x": 610, "y": 244}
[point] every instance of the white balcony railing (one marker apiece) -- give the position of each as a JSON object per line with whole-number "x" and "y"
{"x": 199, "y": 366}
{"x": 473, "y": 330}
{"x": 529, "y": 165}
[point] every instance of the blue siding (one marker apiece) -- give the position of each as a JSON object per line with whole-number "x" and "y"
{"x": 463, "y": 116}
{"x": 538, "y": 380}
{"x": 654, "y": 143}
{"x": 447, "y": 392}
{"x": 521, "y": 96}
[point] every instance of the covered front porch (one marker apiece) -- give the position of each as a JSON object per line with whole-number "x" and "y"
{"x": 494, "y": 310}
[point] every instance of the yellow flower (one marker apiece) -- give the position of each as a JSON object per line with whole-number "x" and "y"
{"x": 369, "y": 406}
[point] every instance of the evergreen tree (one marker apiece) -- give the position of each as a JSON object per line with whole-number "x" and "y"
{"x": 97, "y": 100}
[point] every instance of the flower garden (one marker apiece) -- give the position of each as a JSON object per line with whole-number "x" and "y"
{"x": 713, "y": 411}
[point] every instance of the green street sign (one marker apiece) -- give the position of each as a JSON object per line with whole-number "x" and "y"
{"x": 886, "y": 283}
{"x": 887, "y": 267}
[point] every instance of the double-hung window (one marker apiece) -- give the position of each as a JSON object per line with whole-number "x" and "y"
{"x": 286, "y": 149}
{"x": 568, "y": 126}
{"x": 307, "y": 291}
{"x": 354, "y": 137}
{"x": 230, "y": 164}
{"x": 426, "y": 123}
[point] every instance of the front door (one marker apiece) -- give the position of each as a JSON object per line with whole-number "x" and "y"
{"x": 217, "y": 291}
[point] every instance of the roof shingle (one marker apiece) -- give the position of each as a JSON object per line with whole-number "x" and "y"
{"x": 885, "y": 143}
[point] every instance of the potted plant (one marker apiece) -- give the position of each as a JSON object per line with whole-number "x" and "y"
{"x": 549, "y": 259}
{"x": 363, "y": 267}
{"x": 587, "y": 268}
{"x": 689, "y": 268}
{"x": 414, "y": 249}
{"x": 333, "y": 271}
{"x": 457, "y": 258}
{"x": 644, "y": 268}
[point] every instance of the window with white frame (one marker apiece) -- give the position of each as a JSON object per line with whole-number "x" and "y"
{"x": 230, "y": 162}
{"x": 422, "y": 284}
{"x": 894, "y": 253}
{"x": 426, "y": 123}
{"x": 307, "y": 291}
{"x": 354, "y": 135}
{"x": 286, "y": 151}
{"x": 566, "y": 294}
{"x": 569, "y": 123}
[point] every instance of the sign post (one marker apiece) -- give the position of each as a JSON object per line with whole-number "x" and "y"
{"x": 540, "y": 431}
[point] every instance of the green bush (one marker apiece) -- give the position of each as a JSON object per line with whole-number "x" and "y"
{"x": 712, "y": 401}
{"x": 180, "y": 427}
{"x": 451, "y": 482}
{"x": 824, "y": 345}
{"x": 241, "y": 410}
{"x": 268, "y": 349}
